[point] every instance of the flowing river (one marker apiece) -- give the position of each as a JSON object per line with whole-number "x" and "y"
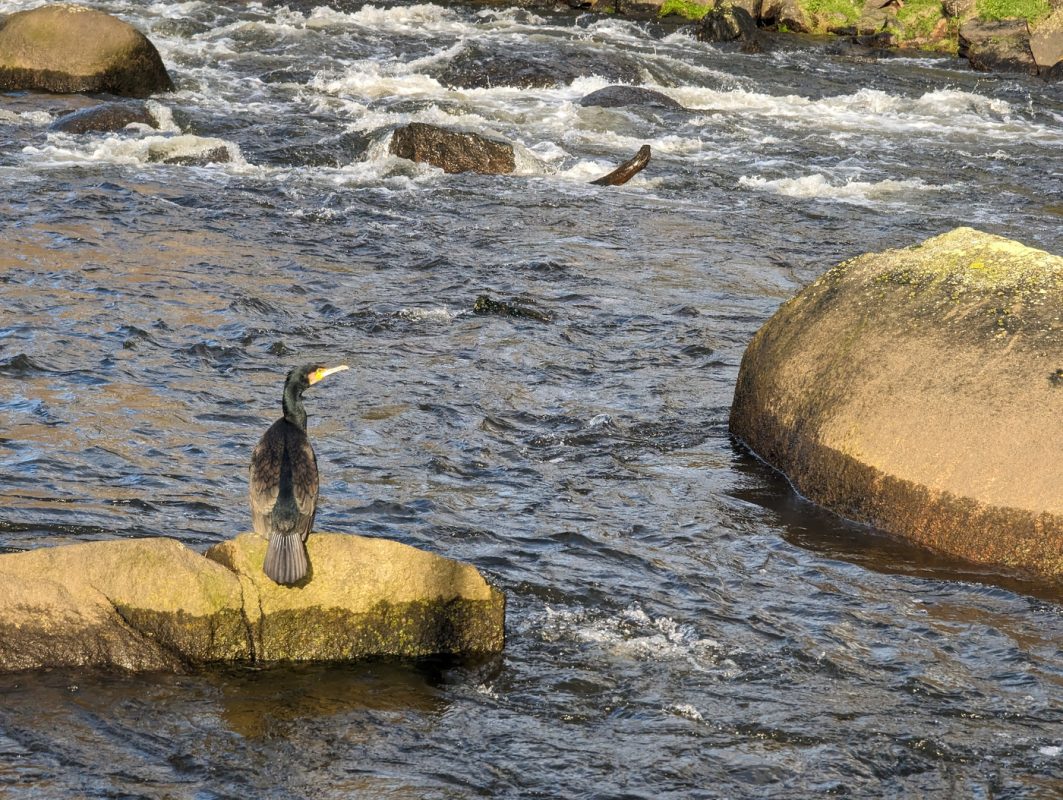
{"x": 680, "y": 623}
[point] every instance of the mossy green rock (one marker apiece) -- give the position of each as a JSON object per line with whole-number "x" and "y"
{"x": 365, "y": 597}
{"x": 921, "y": 390}
{"x": 138, "y": 604}
{"x": 150, "y": 604}
{"x": 70, "y": 48}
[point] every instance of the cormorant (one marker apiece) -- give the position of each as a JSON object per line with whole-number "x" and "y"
{"x": 283, "y": 481}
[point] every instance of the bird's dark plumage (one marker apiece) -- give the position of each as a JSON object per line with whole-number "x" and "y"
{"x": 284, "y": 482}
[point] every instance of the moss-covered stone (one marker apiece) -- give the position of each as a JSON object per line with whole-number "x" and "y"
{"x": 146, "y": 604}
{"x": 914, "y": 390}
{"x": 365, "y": 597}
{"x": 70, "y": 48}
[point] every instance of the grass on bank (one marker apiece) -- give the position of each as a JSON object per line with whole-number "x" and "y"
{"x": 685, "y": 8}
{"x": 1032, "y": 10}
{"x": 833, "y": 12}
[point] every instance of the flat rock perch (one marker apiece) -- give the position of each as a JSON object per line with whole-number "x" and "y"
{"x": 919, "y": 390}
{"x": 148, "y": 604}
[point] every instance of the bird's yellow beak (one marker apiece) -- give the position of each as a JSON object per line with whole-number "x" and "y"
{"x": 319, "y": 374}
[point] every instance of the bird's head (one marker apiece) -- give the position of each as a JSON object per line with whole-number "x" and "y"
{"x": 309, "y": 374}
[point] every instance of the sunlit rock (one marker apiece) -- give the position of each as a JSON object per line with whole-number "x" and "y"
{"x": 190, "y": 151}
{"x": 626, "y": 171}
{"x": 452, "y": 151}
{"x": 151, "y": 604}
{"x": 1046, "y": 45}
{"x": 789, "y": 15}
{"x": 365, "y": 597}
{"x": 997, "y": 45}
{"x": 920, "y": 390}
{"x": 139, "y": 604}
{"x": 70, "y": 48}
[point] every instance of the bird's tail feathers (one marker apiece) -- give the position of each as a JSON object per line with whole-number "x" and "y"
{"x": 286, "y": 559}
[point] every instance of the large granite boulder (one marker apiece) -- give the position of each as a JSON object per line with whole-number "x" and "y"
{"x": 70, "y": 48}
{"x": 365, "y": 597}
{"x": 920, "y": 390}
{"x": 452, "y": 151}
{"x": 149, "y": 604}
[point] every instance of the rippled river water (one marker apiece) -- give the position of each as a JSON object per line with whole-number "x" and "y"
{"x": 680, "y": 624}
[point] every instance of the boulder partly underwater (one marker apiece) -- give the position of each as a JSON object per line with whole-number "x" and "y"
{"x": 921, "y": 391}
{"x": 153, "y": 604}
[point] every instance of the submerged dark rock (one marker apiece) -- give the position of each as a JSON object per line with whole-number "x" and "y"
{"x": 452, "y": 151}
{"x": 106, "y": 117}
{"x": 69, "y": 48}
{"x": 617, "y": 96}
{"x": 478, "y": 68}
{"x": 486, "y": 305}
{"x": 627, "y": 170}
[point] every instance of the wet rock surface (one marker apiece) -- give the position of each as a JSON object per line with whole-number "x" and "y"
{"x": 618, "y": 96}
{"x": 914, "y": 390}
{"x": 452, "y": 151}
{"x": 106, "y": 118}
{"x": 478, "y": 68}
{"x": 70, "y": 48}
{"x": 627, "y": 170}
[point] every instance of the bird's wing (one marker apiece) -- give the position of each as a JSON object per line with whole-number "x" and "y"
{"x": 264, "y": 479}
{"x": 304, "y": 473}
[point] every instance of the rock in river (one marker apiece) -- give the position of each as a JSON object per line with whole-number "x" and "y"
{"x": 70, "y": 48}
{"x": 146, "y": 604}
{"x": 917, "y": 390}
{"x": 617, "y": 96}
{"x": 452, "y": 151}
{"x": 365, "y": 597}
{"x": 478, "y": 68}
{"x": 105, "y": 117}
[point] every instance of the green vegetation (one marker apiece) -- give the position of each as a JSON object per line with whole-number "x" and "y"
{"x": 829, "y": 13}
{"x": 1032, "y": 10}
{"x": 685, "y": 8}
{"x": 919, "y": 18}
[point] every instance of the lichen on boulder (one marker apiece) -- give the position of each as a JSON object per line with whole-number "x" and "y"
{"x": 71, "y": 48}
{"x": 917, "y": 390}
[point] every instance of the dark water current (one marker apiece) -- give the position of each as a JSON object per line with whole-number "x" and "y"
{"x": 680, "y": 624}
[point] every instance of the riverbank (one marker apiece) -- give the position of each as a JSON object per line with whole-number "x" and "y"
{"x": 1024, "y": 36}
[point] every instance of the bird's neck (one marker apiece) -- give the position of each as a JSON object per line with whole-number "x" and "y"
{"x": 293, "y": 407}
